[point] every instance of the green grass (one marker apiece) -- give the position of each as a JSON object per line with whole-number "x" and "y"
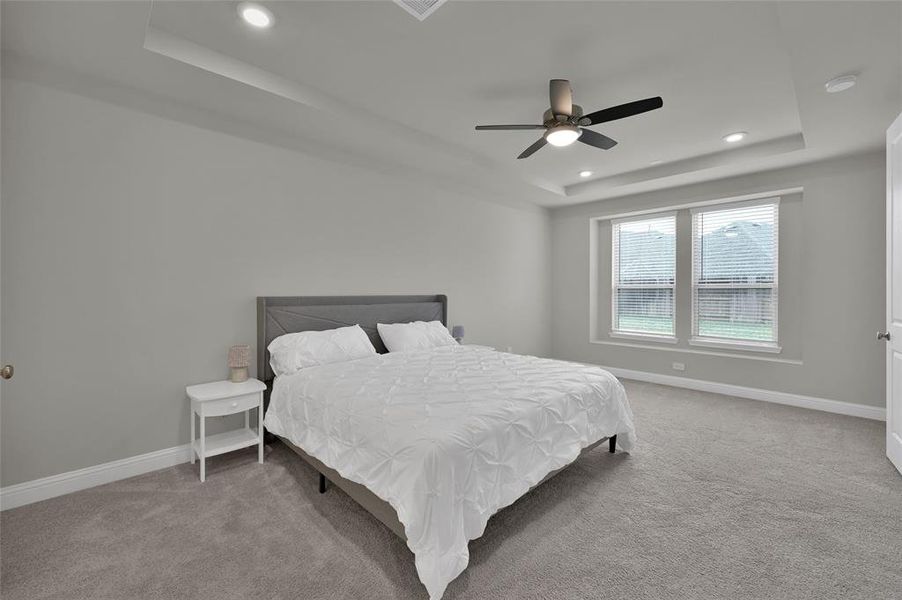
{"x": 706, "y": 328}
{"x": 763, "y": 332}
{"x": 661, "y": 325}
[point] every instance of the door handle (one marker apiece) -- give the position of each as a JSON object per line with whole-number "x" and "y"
{"x": 7, "y": 372}
{"x": 884, "y": 335}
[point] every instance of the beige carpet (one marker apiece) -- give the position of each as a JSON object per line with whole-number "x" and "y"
{"x": 723, "y": 498}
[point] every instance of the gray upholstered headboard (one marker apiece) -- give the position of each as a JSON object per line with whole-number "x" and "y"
{"x": 278, "y": 315}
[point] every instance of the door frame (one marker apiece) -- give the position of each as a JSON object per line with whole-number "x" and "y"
{"x": 893, "y": 136}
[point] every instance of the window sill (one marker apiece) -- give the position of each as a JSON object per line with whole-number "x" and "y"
{"x": 643, "y": 337}
{"x": 745, "y": 346}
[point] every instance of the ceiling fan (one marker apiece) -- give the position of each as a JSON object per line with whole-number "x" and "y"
{"x": 565, "y": 123}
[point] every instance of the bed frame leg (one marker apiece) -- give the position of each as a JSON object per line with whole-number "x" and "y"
{"x": 322, "y": 483}
{"x": 612, "y": 444}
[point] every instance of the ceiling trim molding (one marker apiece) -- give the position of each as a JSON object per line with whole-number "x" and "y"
{"x": 782, "y": 145}
{"x": 85, "y": 85}
{"x": 782, "y": 178}
{"x": 182, "y": 50}
{"x": 217, "y": 63}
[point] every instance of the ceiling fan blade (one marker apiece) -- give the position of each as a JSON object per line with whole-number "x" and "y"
{"x": 532, "y": 149}
{"x": 593, "y": 138}
{"x": 624, "y": 110}
{"x": 507, "y": 127}
{"x": 561, "y": 97}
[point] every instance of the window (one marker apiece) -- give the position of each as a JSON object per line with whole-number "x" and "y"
{"x": 734, "y": 274}
{"x": 644, "y": 267}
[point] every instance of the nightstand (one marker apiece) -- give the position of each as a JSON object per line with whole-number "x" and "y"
{"x": 222, "y": 398}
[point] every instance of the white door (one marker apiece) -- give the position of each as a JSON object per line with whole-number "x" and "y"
{"x": 893, "y": 335}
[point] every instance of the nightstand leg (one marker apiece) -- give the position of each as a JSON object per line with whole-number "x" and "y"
{"x": 260, "y": 431}
{"x": 191, "y": 416}
{"x": 203, "y": 449}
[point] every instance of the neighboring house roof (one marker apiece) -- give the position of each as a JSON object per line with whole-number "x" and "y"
{"x": 744, "y": 247}
{"x": 639, "y": 257}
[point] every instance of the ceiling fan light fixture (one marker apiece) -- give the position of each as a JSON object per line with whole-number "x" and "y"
{"x": 562, "y": 135}
{"x": 563, "y": 123}
{"x": 255, "y": 15}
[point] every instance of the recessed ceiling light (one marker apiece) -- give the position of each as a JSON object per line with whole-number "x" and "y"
{"x": 655, "y": 162}
{"x": 562, "y": 135}
{"x": 732, "y": 138}
{"x": 585, "y": 173}
{"x": 839, "y": 84}
{"x": 256, "y": 15}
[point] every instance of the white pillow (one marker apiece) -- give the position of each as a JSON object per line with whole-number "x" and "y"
{"x": 294, "y": 351}
{"x": 419, "y": 335}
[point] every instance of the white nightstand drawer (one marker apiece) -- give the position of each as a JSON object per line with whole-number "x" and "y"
{"x": 228, "y": 406}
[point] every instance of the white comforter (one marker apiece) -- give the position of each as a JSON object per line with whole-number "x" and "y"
{"x": 448, "y": 436}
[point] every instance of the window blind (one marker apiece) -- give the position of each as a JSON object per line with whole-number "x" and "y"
{"x": 643, "y": 270}
{"x": 734, "y": 265}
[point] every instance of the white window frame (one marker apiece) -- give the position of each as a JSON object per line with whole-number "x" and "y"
{"x": 615, "y": 272}
{"x": 728, "y": 343}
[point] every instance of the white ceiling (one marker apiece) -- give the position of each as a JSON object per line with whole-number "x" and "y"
{"x": 366, "y": 83}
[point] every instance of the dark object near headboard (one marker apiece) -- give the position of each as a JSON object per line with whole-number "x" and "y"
{"x": 278, "y": 315}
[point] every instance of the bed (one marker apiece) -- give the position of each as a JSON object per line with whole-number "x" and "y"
{"x": 432, "y": 443}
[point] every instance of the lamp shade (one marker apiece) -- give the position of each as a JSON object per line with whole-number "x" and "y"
{"x": 239, "y": 356}
{"x": 457, "y": 332}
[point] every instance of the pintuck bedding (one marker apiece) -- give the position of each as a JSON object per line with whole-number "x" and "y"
{"x": 448, "y": 436}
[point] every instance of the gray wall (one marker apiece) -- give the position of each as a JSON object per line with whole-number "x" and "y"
{"x": 832, "y": 284}
{"x": 133, "y": 248}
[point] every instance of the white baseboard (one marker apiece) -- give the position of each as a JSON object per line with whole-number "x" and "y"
{"x": 833, "y": 406}
{"x": 73, "y": 481}
{"x": 65, "y": 483}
